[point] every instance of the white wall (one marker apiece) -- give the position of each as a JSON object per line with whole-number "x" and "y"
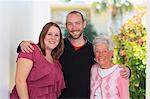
{"x": 15, "y": 18}
{"x": 19, "y": 20}
{"x": 4, "y": 50}
{"x": 41, "y": 14}
{"x": 101, "y": 21}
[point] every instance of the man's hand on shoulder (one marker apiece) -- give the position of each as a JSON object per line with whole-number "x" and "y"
{"x": 26, "y": 46}
{"x": 125, "y": 71}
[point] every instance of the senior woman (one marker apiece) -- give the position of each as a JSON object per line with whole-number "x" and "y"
{"x": 106, "y": 81}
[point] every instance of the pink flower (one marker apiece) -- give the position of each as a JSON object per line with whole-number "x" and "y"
{"x": 139, "y": 41}
{"x": 121, "y": 52}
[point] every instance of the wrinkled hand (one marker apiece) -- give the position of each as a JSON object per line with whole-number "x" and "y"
{"x": 26, "y": 46}
{"x": 125, "y": 72}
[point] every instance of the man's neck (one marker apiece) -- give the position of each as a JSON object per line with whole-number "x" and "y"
{"x": 78, "y": 42}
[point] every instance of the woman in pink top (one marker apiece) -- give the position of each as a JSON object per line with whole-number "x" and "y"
{"x": 106, "y": 81}
{"x": 38, "y": 73}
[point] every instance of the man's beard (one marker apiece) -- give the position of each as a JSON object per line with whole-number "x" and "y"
{"x": 76, "y": 37}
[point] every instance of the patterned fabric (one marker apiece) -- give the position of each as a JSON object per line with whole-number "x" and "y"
{"x": 108, "y": 84}
{"x": 45, "y": 80}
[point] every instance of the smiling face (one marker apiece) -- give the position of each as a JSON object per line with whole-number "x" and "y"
{"x": 75, "y": 25}
{"x": 102, "y": 54}
{"x": 52, "y": 38}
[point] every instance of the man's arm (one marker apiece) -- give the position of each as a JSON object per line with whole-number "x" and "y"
{"x": 18, "y": 48}
{"x": 25, "y": 47}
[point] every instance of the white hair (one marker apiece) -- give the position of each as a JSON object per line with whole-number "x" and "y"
{"x": 100, "y": 39}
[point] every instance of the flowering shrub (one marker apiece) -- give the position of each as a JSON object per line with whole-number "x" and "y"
{"x": 130, "y": 50}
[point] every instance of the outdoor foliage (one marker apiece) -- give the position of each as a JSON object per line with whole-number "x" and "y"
{"x": 130, "y": 50}
{"x": 89, "y": 32}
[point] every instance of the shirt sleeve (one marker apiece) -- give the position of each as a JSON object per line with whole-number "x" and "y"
{"x": 123, "y": 87}
{"x": 18, "y": 48}
{"x": 91, "y": 77}
{"x": 30, "y": 55}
